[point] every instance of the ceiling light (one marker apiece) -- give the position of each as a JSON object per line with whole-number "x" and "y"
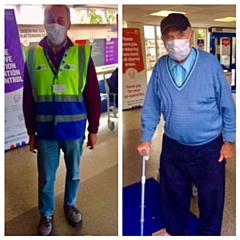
{"x": 165, "y": 13}
{"x": 226, "y": 19}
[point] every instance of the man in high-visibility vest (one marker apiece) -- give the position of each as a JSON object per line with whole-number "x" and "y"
{"x": 61, "y": 93}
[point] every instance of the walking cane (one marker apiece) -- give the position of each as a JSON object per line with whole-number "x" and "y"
{"x": 144, "y": 159}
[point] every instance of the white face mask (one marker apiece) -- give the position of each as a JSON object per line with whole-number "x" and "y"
{"x": 178, "y": 49}
{"x": 55, "y": 33}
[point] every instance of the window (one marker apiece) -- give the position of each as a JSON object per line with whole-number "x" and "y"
{"x": 200, "y": 38}
{"x": 33, "y": 14}
{"x": 149, "y": 36}
{"x": 111, "y": 15}
{"x": 93, "y": 15}
{"x": 161, "y": 50}
{"x": 149, "y": 32}
{"x": 96, "y": 16}
{"x": 78, "y": 15}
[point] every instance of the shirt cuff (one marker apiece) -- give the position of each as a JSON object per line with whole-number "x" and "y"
{"x": 146, "y": 136}
{"x": 229, "y": 137}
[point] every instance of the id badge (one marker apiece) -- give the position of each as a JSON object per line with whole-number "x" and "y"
{"x": 59, "y": 88}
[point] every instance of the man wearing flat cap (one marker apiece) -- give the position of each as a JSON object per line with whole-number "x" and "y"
{"x": 188, "y": 88}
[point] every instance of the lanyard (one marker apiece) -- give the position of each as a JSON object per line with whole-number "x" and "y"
{"x": 62, "y": 63}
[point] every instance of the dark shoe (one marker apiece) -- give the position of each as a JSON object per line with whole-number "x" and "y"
{"x": 73, "y": 215}
{"x": 45, "y": 226}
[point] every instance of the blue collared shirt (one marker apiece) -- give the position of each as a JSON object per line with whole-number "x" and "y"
{"x": 180, "y": 71}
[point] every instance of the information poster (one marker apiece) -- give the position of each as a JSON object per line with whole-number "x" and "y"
{"x": 104, "y": 51}
{"x": 225, "y": 51}
{"x": 134, "y": 75}
{"x": 200, "y": 44}
{"x": 226, "y": 46}
{"x": 15, "y": 131}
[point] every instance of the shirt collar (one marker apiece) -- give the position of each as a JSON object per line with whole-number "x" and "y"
{"x": 45, "y": 44}
{"x": 186, "y": 64}
{"x": 63, "y": 45}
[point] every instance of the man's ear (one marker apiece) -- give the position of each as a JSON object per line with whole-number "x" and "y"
{"x": 192, "y": 32}
{"x": 192, "y": 37}
{"x": 69, "y": 25}
{"x": 162, "y": 38}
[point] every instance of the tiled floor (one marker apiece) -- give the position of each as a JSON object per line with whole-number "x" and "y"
{"x": 132, "y": 167}
{"x": 97, "y": 197}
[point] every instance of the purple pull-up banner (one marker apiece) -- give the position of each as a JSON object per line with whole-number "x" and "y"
{"x": 15, "y": 131}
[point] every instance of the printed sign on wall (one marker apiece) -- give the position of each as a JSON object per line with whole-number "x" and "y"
{"x": 226, "y": 41}
{"x": 134, "y": 75}
{"x": 15, "y": 131}
{"x": 104, "y": 51}
{"x": 200, "y": 44}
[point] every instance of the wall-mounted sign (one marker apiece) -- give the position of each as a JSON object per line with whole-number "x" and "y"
{"x": 200, "y": 44}
{"x": 134, "y": 75}
{"x": 226, "y": 45}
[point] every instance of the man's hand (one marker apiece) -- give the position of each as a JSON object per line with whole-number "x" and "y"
{"x": 227, "y": 151}
{"x": 33, "y": 143}
{"x": 92, "y": 139}
{"x": 144, "y": 146}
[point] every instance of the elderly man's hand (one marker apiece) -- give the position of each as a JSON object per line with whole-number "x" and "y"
{"x": 144, "y": 146}
{"x": 227, "y": 151}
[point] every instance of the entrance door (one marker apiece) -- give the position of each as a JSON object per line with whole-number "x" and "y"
{"x": 223, "y": 46}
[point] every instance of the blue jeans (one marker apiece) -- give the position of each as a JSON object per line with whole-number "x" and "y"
{"x": 48, "y": 161}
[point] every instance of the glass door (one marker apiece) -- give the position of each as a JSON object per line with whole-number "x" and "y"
{"x": 149, "y": 37}
{"x": 223, "y": 46}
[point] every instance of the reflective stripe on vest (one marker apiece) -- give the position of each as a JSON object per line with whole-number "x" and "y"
{"x": 60, "y": 98}
{"x": 61, "y": 118}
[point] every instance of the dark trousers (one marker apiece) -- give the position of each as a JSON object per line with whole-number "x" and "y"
{"x": 182, "y": 165}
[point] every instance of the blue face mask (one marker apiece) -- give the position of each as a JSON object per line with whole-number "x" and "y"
{"x": 56, "y": 33}
{"x": 178, "y": 49}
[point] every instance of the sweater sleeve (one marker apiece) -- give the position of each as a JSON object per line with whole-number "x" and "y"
{"x": 28, "y": 103}
{"x": 92, "y": 99}
{"x": 150, "y": 116}
{"x": 227, "y": 107}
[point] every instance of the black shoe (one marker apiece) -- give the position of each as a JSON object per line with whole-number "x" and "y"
{"x": 45, "y": 226}
{"x": 73, "y": 215}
